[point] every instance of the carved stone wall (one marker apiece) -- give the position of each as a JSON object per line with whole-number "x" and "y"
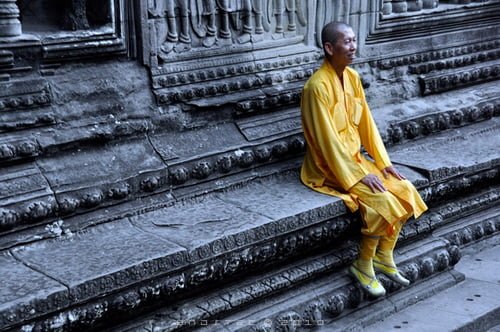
{"x": 208, "y": 89}
{"x": 255, "y": 55}
{"x": 117, "y": 117}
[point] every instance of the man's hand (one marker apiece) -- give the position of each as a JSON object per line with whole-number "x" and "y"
{"x": 394, "y": 172}
{"x": 375, "y": 184}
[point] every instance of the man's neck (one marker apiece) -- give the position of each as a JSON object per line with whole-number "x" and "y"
{"x": 339, "y": 69}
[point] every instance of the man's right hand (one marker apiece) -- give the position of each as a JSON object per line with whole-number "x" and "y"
{"x": 373, "y": 181}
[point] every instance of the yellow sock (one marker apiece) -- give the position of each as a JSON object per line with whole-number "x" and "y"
{"x": 387, "y": 260}
{"x": 367, "y": 247}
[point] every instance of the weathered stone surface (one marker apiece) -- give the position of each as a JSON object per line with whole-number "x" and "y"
{"x": 103, "y": 259}
{"x": 277, "y": 124}
{"x": 207, "y": 228}
{"x": 21, "y": 183}
{"x": 481, "y": 262}
{"x": 26, "y": 293}
{"x": 286, "y": 200}
{"x": 453, "y": 309}
{"x": 179, "y": 146}
{"x": 102, "y": 175}
{"x": 468, "y": 149}
{"x": 25, "y": 196}
{"x": 103, "y": 165}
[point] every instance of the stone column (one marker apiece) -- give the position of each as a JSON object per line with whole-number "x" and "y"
{"x": 10, "y": 26}
{"x": 414, "y": 5}
{"x": 387, "y": 7}
{"x": 399, "y": 6}
{"x": 430, "y": 3}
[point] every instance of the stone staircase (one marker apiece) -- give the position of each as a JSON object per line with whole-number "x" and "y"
{"x": 140, "y": 234}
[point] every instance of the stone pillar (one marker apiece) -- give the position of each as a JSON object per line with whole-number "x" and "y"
{"x": 387, "y": 7}
{"x": 430, "y": 4}
{"x": 399, "y": 6}
{"x": 10, "y": 26}
{"x": 414, "y": 5}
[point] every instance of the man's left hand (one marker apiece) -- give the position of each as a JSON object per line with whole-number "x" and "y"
{"x": 394, "y": 172}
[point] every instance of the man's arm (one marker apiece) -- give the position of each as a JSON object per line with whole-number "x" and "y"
{"x": 369, "y": 134}
{"x": 371, "y": 140}
{"x": 322, "y": 134}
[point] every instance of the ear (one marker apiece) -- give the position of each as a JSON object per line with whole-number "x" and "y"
{"x": 328, "y": 48}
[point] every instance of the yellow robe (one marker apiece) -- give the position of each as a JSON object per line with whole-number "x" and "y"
{"x": 337, "y": 120}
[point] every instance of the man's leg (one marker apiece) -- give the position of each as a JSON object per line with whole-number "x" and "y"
{"x": 384, "y": 259}
{"x": 362, "y": 269}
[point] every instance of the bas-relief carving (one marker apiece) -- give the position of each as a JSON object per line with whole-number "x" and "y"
{"x": 247, "y": 46}
{"x": 336, "y": 10}
{"x": 185, "y": 25}
{"x": 396, "y": 7}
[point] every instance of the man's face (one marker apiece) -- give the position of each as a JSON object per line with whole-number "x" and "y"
{"x": 343, "y": 51}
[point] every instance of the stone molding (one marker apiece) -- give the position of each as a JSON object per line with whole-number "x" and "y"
{"x": 392, "y": 25}
{"x": 226, "y": 258}
{"x": 175, "y": 175}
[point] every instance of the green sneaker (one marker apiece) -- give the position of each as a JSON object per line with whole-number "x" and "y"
{"x": 390, "y": 271}
{"x": 370, "y": 284}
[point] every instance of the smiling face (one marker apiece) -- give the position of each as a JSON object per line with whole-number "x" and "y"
{"x": 341, "y": 48}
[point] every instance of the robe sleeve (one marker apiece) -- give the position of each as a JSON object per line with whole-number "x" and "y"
{"x": 322, "y": 135}
{"x": 369, "y": 134}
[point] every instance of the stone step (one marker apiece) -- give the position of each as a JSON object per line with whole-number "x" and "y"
{"x": 57, "y": 187}
{"x": 166, "y": 246}
{"x": 280, "y": 300}
{"x": 316, "y": 291}
{"x": 134, "y": 262}
{"x": 472, "y": 305}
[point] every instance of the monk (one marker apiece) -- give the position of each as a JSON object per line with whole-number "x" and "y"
{"x": 337, "y": 121}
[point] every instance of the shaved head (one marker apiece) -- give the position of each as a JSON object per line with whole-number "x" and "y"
{"x": 331, "y": 32}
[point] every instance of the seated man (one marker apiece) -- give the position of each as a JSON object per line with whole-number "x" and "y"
{"x": 336, "y": 122}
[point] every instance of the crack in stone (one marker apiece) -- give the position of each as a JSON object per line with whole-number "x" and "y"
{"x": 34, "y": 268}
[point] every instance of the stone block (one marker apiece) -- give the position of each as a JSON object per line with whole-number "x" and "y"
{"x": 179, "y": 146}
{"x": 25, "y": 293}
{"x": 25, "y": 196}
{"x": 454, "y": 152}
{"x": 207, "y": 228}
{"x": 103, "y": 259}
{"x": 287, "y": 201}
{"x": 89, "y": 177}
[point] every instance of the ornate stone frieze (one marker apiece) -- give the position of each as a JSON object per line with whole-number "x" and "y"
{"x": 440, "y": 216}
{"x": 25, "y": 197}
{"x": 396, "y": 20}
{"x": 185, "y": 26}
{"x": 447, "y": 81}
{"x": 395, "y": 8}
{"x": 181, "y": 32}
{"x": 348, "y": 297}
{"x": 470, "y": 231}
{"x": 455, "y": 62}
{"x": 429, "y": 124}
{"x": 331, "y": 303}
{"x": 22, "y": 95}
{"x": 420, "y": 63}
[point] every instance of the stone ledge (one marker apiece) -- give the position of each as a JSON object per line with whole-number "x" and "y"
{"x": 216, "y": 237}
{"x": 186, "y": 171}
{"x": 185, "y": 260}
{"x": 318, "y": 288}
